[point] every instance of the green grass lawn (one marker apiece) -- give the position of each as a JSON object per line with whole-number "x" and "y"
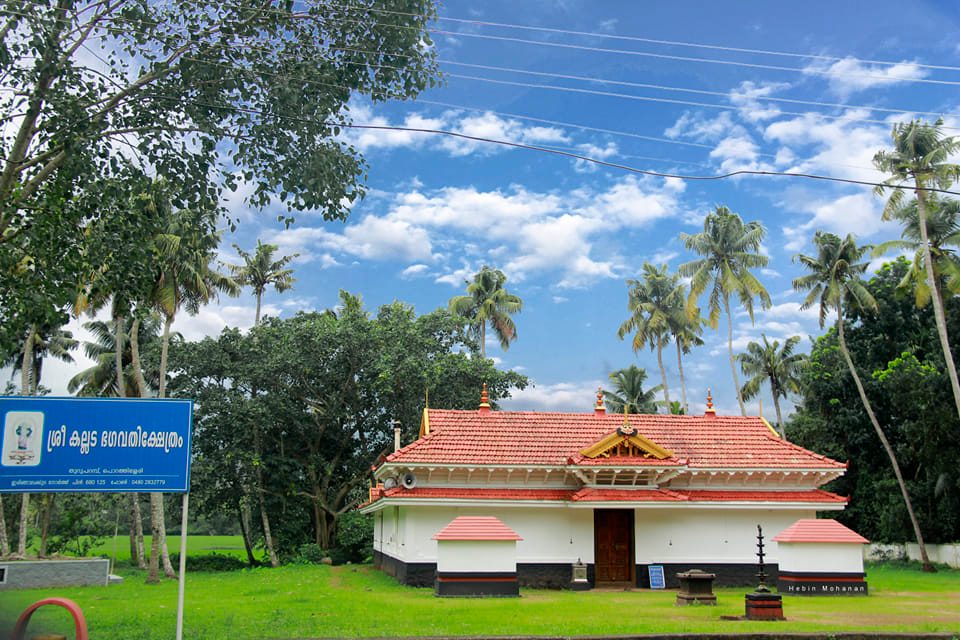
{"x": 322, "y": 601}
{"x": 196, "y": 545}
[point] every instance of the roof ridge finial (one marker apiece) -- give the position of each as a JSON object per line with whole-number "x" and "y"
{"x": 710, "y": 410}
{"x": 484, "y": 400}
{"x": 599, "y": 408}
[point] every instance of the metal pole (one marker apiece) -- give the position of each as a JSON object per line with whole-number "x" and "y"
{"x": 183, "y": 565}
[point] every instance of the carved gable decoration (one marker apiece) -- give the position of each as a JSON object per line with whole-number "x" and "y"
{"x": 626, "y": 442}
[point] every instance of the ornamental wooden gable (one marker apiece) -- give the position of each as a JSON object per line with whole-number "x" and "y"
{"x": 626, "y": 442}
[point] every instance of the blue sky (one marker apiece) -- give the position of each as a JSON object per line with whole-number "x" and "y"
{"x": 567, "y": 233}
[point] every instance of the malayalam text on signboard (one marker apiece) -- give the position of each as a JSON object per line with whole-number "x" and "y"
{"x": 94, "y": 444}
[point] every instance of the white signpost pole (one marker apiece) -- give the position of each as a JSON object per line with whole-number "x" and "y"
{"x": 183, "y": 565}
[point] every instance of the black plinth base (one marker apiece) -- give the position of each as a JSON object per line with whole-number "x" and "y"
{"x": 764, "y": 606}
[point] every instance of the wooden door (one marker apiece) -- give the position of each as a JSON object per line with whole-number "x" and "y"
{"x": 613, "y": 533}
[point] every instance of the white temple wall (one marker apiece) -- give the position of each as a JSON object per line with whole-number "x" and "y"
{"x": 709, "y": 535}
{"x": 477, "y": 556}
{"x": 821, "y": 557}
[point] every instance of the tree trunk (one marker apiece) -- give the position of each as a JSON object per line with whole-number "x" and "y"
{"x": 663, "y": 375}
{"x": 135, "y": 359}
{"x": 776, "y": 405}
{"x": 264, "y": 517}
{"x": 683, "y": 380}
{"x": 168, "y": 569}
{"x": 733, "y": 366}
{"x": 256, "y": 319}
{"x": 137, "y": 517}
{"x": 883, "y": 440}
{"x": 135, "y": 557}
{"x": 49, "y": 501}
{"x": 938, "y": 312}
{"x": 483, "y": 339}
{"x": 22, "y": 534}
{"x": 118, "y": 356}
{"x": 245, "y": 533}
{"x": 164, "y": 352}
{"x": 153, "y": 574}
{"x": 4, "y": 541}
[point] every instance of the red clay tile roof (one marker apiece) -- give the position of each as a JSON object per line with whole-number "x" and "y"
{"x": 588, "y": 494}
{"x": 476, "y": 528}
{"x": 532, "y": 438}
{"x": 811, "y": 530}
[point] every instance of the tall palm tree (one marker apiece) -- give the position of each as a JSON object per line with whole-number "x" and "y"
{"x": 834, "y": 279}
{"x": 776, "y": 364}
{"x": 687, "y": 330}
{"x": 730, "y": 249}
{"x": 101, "y": 378}
{"x": 487, "y": 302}
{"x": 628, "y": 392}
{"x": 943, "y": 233}
{"x": 655, "y": 309}
{"x": 261, "y": 272}
{"x": 921, "y": 156}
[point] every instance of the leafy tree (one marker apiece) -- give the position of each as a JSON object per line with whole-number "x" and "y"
{"x": 260, "y": 271}
{"x": 779, "y": 366}
{"x": 628, "y": 392}
{"x": 910, "y": 393}
{"x": 329, "y": 386}
{"x": 921, "y": 156}
{"x": 834, "y": 279}
{"x": 167, "y": 89}
{"x": 730, "y": 249}
{"x": 487, "y": 302}
{"x": 656, "y": 309}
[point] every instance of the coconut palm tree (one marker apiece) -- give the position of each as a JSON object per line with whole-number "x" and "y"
{"x": 628, "y": 392}
{"x": 101, "y": 378}
{"x": 655, "y": 310}
{"x": 730, "y": 249}
{"x": 487, "y": 302}
{"x": 775, "y": 364}
{"x": 834, "y": 280}
{"x": 920, "y": 158}
{"x": 687, "y": 329}
{"x": 943, "y": 233}
{"x": 261, "y": 272}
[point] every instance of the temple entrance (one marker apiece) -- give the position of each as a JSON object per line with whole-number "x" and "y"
{"x": 613, "y": 541}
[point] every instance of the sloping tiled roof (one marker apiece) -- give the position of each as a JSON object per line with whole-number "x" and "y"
{"x": 811, "y": 530}
{"x": 476, "y": 528}
{"x": 532, "y": 438}
{"x": 588, "y": 494}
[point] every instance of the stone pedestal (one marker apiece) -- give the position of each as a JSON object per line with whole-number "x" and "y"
{"x": 763, "y": 605}
{"x": 696, "y": 586}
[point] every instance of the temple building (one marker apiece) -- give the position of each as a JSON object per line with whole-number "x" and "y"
{"x": 617, "y": 493}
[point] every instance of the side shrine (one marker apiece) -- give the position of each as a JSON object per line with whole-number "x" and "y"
{"x": 617, "y": 493}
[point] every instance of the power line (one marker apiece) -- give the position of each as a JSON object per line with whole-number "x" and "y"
{"x": 672, "y": 43}
{"x": 665, "y": 56}
{"x": 520, "y": 145}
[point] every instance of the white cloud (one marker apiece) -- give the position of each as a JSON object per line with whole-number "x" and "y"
{"x": 562, "y": 396}
{"x": 696, "y": 127}
{"x": 414, "y": 270}
{"x": 489, "y": 125}
{"x": 746, "y": 98}
{"x": 857, "y": 213}
{"x": 372, "y": 238}
{"x": 850, "y": 75}
{"x": 560, "y": 299}
{"x": 596, "y": 152}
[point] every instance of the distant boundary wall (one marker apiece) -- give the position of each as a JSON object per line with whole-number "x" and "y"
{"x": 948, "y": 554}
{"x": 31, "y": 574}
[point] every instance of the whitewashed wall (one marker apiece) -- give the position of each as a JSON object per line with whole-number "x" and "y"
{"x": 948, "y": 554}
{"x": 476, "y": 556}
{"x": 826, "y": 557}
{"x": 560, "y": 534}
{"x": 709, "y": 535}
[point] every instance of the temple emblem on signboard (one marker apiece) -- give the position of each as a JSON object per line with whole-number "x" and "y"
{"x": 22, "y": 439}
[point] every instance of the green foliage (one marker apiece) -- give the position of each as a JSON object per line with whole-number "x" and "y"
{"x": 355, "y": 536}
{"x": 487, "y": 302}
{"x": 911, "y": 395}
{"x": 328, "y": 386}
{"x": 309, "y": 553}
{"x": 209, "y": 562}
{"x": 104, "y": 99}
{"x": 628, "y": 392}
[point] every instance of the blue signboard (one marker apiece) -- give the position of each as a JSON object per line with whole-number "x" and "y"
{"x": 657, "y": 580}
{"x": 106, "y": 445}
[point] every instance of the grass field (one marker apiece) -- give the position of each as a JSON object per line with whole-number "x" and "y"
{"x": 226, "y": 545}
{"x": 323, "y": 601}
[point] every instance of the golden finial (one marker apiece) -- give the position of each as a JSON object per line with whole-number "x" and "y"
{"x": 484, "y": 399}
{"x": 710, "y": 410}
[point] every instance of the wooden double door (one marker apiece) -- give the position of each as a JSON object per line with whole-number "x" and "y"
{"x": 613, "y": 539}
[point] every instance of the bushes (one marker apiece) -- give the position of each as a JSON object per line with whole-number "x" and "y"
{"x": 354, "y": 538}
{"x": 209, "y": 562}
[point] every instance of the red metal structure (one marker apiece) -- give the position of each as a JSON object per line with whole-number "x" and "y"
{"x": 79, "y": 622}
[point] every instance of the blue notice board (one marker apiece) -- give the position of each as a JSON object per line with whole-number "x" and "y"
{"x": 657, "y": 580}
{"x": 105, "y": 445}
